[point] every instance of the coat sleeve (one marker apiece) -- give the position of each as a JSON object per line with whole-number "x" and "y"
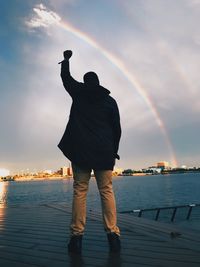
{"x": 116, "y": 126}
{"x": 71, "y": 85}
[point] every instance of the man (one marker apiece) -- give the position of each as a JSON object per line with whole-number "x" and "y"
{"x": 91, "y": 142}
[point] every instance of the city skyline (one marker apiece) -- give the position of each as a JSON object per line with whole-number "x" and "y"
{"x": 157, "y": 165}
{"x": 145, "y": 52}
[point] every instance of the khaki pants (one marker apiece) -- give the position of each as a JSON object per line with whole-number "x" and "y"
{"x": 104, "y": 183}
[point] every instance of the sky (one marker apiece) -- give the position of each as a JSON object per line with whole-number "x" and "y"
{"x": 146, "y": 52}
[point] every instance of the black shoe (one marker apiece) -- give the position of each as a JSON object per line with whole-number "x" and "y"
{"x": 114, "y": 242}
{"x": 75, "y": 244}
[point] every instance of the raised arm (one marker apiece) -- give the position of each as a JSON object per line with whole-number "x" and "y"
{"x": 71, "y": 85}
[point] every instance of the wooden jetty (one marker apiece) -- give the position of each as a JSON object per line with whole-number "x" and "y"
{"x": 37, "y": 235}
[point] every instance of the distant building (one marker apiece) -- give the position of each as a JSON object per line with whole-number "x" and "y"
{"x": 128, "y": 172}
{"x": 117, "y": 171}
{"x": 183, "y": 167}
{"x": 69, "y": 171}
{"x": 64, "y": 171}
{"x": 154, "y": 170}
{"x": 47, "y": 172}
{"x": 163, "y": 165}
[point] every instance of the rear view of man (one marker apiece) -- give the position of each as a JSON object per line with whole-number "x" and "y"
{"x": 91, "y": 142}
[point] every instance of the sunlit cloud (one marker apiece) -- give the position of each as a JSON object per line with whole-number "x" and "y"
{"x": 42, "y": 17}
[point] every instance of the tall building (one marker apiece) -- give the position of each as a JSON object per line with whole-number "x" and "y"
{"x": 163, "y": 165}
{"x": 64, "y": 171}
{"x": 69, "y": 171}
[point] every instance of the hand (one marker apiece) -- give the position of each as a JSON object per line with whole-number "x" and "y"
{"x": 117, "y": 156}
{"x": 67, "y": 54}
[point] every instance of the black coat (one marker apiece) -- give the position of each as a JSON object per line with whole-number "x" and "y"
{"x": 92, "y": 135}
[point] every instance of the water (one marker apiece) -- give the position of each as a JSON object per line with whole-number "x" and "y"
{"x": 132, "y": 192}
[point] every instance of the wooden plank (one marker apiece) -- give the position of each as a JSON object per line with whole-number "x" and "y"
{"x": 38, "y": 236}
{"x": 32, "y": 241}
{"x": 27, "y": 259}
{"x": 10, "y": 263}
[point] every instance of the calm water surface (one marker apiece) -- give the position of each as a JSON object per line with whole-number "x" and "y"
{"x": 132, "y": 192}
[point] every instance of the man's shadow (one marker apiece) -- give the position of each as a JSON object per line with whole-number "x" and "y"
{"x": 113, "y": 259}
{"x": 76, "y": 260}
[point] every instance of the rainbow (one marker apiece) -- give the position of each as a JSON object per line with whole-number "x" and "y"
{"x": 118, "y": 63}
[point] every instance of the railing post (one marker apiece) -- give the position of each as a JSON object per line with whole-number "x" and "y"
{"x": 189, "y": 211}
{"x": 140, "y": 213}
{"x": 173, "y": 214}
{"x": 157, "y": 214}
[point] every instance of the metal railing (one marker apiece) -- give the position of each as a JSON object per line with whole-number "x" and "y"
{"x": 158, "y": 210}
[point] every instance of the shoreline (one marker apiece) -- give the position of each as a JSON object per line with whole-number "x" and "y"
{"x": 56, "y": 178}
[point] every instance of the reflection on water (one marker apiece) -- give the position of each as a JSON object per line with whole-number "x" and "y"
{"x": 3, "y": 194}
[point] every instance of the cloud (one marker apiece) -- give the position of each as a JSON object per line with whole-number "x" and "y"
{"x": 43, "y": 17}
{"x": 193, "y": 3}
